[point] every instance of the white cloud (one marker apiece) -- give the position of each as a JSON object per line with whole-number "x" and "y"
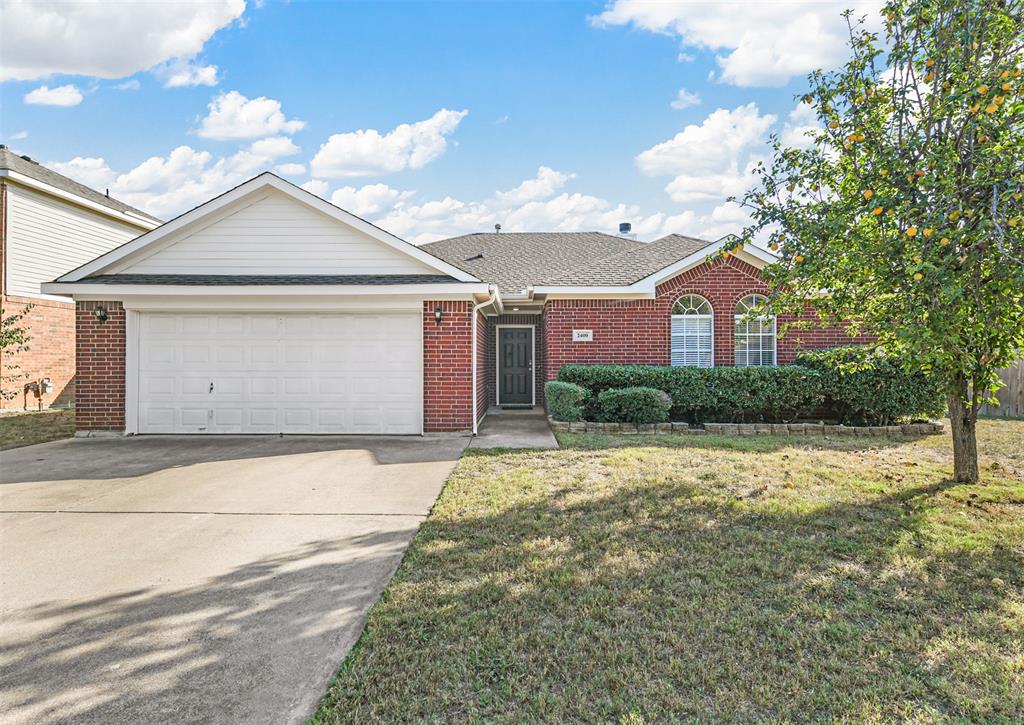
{"x": 19, "y": 136}
{"x": 68, "y": 95}
{"x": 93, "y": 172}
{"x": 166, "y": 186}
{"x": 129, "y": 85}
{"x": 685, "y": 57}
{"x": 291, "y": 169}
{"x": 187, "y": 73}
{"x": 764, "y": 44}
{"x": 685, "y": 99}
{"x": 233, "y": 116}
{"x": 368, "y": 152}
{"x": 802, "y": 120}
{"x": 106, "y": 40}
{"x": 533, "y": 205}
{"x": 546, "y": 183}
{"x": 318, "y": 187}
{"x": 711, "y": 161}
{"x": 368, "y": 200}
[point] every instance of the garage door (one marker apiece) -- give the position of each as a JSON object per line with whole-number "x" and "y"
{"x": 266, "y": 373}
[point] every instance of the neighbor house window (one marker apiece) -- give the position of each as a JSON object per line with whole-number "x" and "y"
{"x": 692, "y": 332}
{"x": 755, "y": 332}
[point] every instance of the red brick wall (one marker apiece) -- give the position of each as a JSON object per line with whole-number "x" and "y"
{"x": 100, "y": 351}
{"x": 51, "y": 352}
{"x": 447, "y": 367}
{"x": 539, "y": 352}
{"x": 639, "y": 331}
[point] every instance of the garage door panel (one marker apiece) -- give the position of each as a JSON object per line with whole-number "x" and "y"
{"x": 293, "y": 373}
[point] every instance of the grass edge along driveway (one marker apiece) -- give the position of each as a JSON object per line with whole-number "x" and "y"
{"x": 645, "y": 579}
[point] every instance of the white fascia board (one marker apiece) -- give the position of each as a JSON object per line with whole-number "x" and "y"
{"x": 271, "y": 304}
{"x": 121, "y": 216}
{"x": 79, "y": 290}
{"x": 254, "y": 185}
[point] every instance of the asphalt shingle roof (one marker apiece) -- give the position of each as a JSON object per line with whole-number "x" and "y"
{"x": 224, "y": 280}
{"x": 33, "y": 170}
{"x": 515, "y": 261}
{"x": 634, "y": 264}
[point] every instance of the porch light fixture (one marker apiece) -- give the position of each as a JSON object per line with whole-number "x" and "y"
{"x": 438, "y": 313}
{"x": 100, "y": 313}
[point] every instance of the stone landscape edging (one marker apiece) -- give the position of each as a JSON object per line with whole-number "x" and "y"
{"x": 747, "y": 429}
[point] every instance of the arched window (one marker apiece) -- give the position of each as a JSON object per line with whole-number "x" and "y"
{"x": 755, "y": 334}
{"x": 692, "y": 332}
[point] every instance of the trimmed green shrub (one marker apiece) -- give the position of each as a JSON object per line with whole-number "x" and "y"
{"x": 864, "y": 387}
{"x": 735, "y": 394}
{"x": 565, "y": 400}
{"x": 634, "y": 405}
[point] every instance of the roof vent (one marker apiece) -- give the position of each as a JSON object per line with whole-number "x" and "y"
{"x": 625, "y": 228}
{"x": 30, "y": 160}
{"x": 474, "y": 257}
{"x": 497, "y": 229}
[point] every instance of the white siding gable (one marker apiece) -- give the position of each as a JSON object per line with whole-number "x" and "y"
{"x": 47, "y": 237}
{"x": 275, "y": 235}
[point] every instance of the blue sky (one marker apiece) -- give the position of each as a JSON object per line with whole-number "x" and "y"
{"x": 430, "y": 118}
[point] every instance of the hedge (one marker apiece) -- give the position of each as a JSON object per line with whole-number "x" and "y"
{"x": 850, "y": 385}
{"x": 732, "y": 394}
{"x": 864, "y": 387}
{"x": 565, "y": 400}
{"x": 634, "y": 405}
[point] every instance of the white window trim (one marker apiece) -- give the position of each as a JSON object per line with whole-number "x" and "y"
{"x": 710, "y": 317}
{"x": 533, "y": 362}
{"x": 775, "y": 335}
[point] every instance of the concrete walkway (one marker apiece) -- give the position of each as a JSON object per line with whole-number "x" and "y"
{"x": 197, "y": 579}
{"x": 524, "y": 428}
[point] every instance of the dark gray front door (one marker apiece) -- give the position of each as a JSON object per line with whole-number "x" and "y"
{"x": 515, "y": 366}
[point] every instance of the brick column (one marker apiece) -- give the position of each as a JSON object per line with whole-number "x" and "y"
{"x": 448, "y": 367}
{"x": 100, "y": 358}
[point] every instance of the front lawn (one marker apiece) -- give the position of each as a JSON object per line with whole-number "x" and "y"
{"x": 26, "y": 429}
{"x": 674, "y": 578}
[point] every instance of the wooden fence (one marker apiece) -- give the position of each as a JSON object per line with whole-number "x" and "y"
{"x": 1011, "y": 395}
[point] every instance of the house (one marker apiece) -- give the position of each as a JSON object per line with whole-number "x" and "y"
{"x": 269, "y": 310}
{"x": 48, "y": 225}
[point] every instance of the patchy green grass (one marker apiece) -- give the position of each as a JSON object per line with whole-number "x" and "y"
{"x": 26, "y": 429}
{"x": 686, "y": 578}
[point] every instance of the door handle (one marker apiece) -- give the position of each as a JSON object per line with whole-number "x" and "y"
{"x": 211, "y": 387}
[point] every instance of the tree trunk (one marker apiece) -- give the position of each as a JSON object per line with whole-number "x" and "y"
{"x": 963, "y": 419}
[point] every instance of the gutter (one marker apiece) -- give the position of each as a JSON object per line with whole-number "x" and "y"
{"x": 492, "y": 291}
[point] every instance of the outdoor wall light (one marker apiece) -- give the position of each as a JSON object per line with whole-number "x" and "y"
{"x": 100, "y": 313}
{"x": 438, "y": 313}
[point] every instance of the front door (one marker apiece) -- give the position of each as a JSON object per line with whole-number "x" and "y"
{"x": 515, "y": 366}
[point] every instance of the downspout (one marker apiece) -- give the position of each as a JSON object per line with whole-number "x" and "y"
{"x": 492, "y": 291}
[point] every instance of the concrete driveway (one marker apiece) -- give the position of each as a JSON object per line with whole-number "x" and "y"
{"x": 197, "y": 579}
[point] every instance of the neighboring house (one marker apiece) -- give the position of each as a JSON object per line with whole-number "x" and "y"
{"x": 49, "y": 224}
{"x": 269, "y": 310}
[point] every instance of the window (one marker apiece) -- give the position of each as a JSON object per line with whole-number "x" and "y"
{"x": 755, "y": 334}
{"x": 692, "y": 328}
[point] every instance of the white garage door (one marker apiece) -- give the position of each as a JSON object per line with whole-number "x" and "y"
{"x": 268, "y": 373}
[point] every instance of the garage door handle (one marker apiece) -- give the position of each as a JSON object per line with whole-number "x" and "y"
{"x": 211, "y": 387}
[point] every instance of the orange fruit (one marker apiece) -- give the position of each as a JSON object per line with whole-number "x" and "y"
{"x": 983, "y": 89}
{"x": 773, "y": 246}
{"x": 991, "y": 108}
{"x": 918, "y": 276}
{"x": 944, "y": 241}
{"x": 868, "y": 194}
{"x": 912, "y": 232}
{"x": 799, "y": 258}
{"x": 929, "y": 231}
{"x": 877, "y": 210}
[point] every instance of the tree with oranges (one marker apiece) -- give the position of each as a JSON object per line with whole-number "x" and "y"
{"x": 903, "y": 214}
